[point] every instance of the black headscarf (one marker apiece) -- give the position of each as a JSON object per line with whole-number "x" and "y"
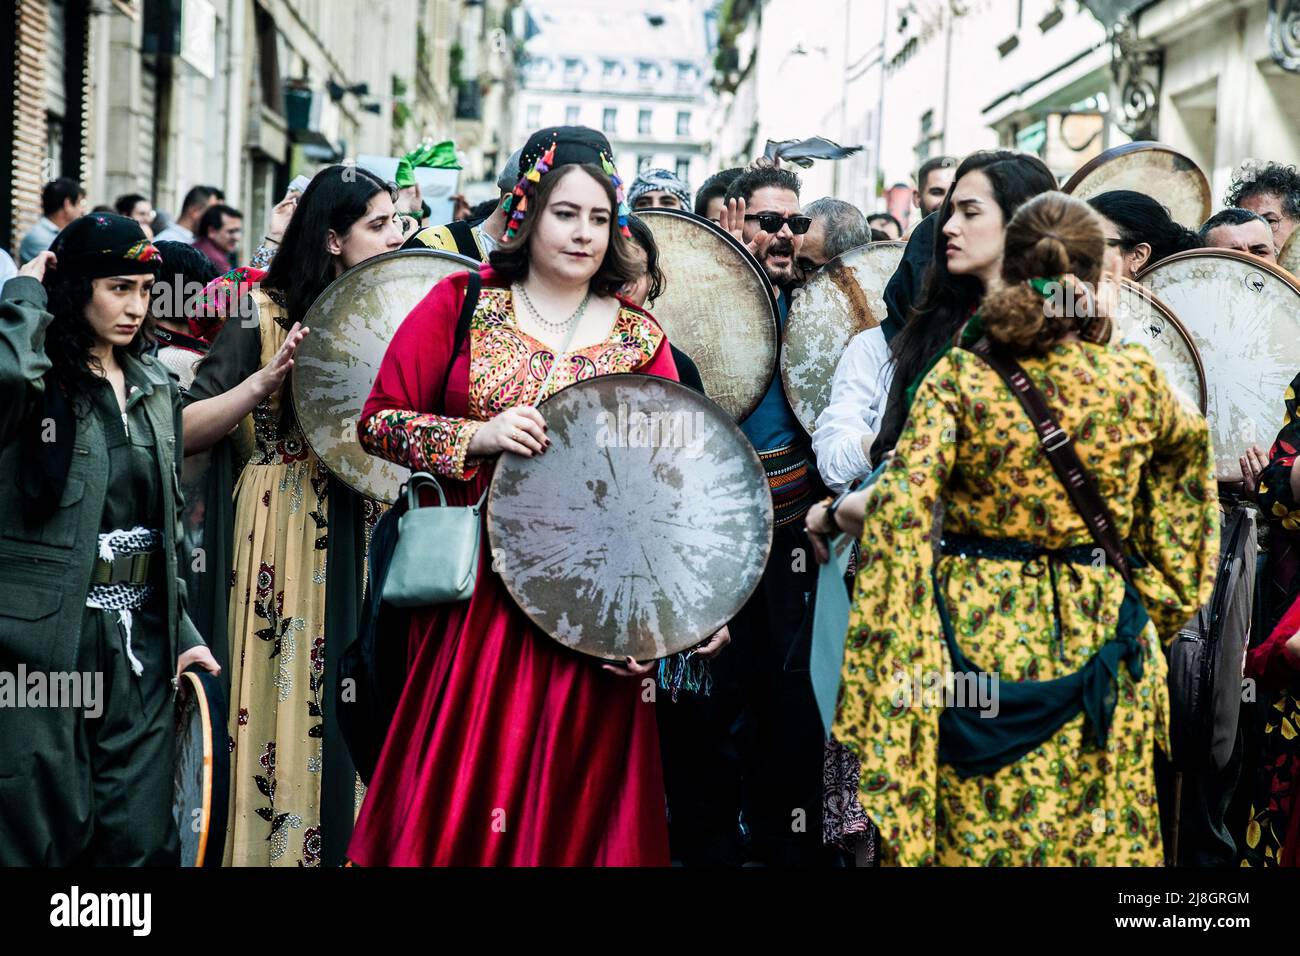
{"x": 91, "y": 247}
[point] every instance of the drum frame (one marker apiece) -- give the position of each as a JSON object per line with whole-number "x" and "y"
{"x": 213, "y": 780}
{"x": 727, "y": 422}
{"x": 382, "y": 257}
{"x": 1245, "y": 257}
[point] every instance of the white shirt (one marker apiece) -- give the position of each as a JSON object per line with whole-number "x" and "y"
{"x": 175, "y": 233}
{"x": 858, "y": 395}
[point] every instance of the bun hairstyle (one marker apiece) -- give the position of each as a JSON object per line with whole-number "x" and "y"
{"x": 1052, "y": 261}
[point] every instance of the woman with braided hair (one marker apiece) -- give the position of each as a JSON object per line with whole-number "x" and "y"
{"x": 1045, "y": 757}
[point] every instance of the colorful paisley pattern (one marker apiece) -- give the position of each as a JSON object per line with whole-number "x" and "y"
{"x": 970, "y": 462}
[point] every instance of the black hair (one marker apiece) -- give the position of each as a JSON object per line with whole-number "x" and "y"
{"x": 715, "y": 187}
{"x": 198, "y": 197}
{"x": 335, "y": 199}
{"x": 948, "y": 301}
{"x": 124, "y": 205}
{"x": 59, "y": 191}
{"x": 1253, "y": 179}
{"x": 70, "y": 339}
{"x": 214, "y": 216}
{"x": 183, "y": 267}
{"x": 930, "y": 165}
{"x": 1232, "y": 216}
{"x": 879, "y": 235}
{"x": 888, "y": 217}
{"x": 1139, "y": 218}
{"x": 645, "y": 238}
{"x": 754, "y": 178}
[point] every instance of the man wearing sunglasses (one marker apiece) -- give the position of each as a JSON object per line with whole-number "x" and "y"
{"x": 763, "y": 689}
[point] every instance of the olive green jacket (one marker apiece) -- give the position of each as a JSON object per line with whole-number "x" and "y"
{"x": 45, "y": 569}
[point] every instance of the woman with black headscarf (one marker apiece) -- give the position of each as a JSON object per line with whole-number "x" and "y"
{"x": 93, "y": 628}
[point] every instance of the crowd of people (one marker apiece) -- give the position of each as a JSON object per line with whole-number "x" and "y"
{"x": 126, "y": 404}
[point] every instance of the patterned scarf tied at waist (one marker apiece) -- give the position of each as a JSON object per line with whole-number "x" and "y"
{"x": 1028, "y": 713}
{"x": 125, "y": 598}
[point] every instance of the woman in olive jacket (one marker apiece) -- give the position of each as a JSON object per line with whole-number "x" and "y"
{"x": 93, "y": 627}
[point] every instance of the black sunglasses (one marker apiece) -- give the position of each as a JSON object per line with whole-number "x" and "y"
{"x": 772, "y": 222}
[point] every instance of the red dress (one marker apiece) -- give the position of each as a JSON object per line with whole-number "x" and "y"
{"x": 506, "y": 748}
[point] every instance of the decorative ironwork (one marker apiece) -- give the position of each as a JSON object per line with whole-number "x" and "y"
{"x": 1284, "y": 33}
{"x": 1138, "y": 102}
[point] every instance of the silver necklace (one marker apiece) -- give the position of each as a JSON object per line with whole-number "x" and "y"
{"x": 548, "y": 324}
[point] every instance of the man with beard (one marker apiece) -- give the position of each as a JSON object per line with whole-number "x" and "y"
{"x": 766, "y": 678}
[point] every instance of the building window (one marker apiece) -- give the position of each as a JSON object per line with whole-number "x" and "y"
{"x": 685, "y": 73}
{"x": 683, "y": 169}
{"x": 645, "y": 71}
{"x": 571, "y": 67}
{"x": 610, "y": 121}
{"x": 534, "y": 115}
{"x": 684, "y": 123}
{"x": 609, "y": 68}
{"x": 643, "y": 123}
{"x": 571, "y": 116}
{"x": 927, "y": 134}
{"x": 643, "y": 163}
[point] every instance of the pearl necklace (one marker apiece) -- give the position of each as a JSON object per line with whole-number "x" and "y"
{"x": 550, "y": 325}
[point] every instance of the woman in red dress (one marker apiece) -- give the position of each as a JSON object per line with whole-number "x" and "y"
{"x": 507, "y": 748}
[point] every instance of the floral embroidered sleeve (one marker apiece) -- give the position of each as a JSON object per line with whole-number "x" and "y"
{"x": 421, "y": 441}
{"x": 894, "y": 629}
{"x": 1275, "y": 497}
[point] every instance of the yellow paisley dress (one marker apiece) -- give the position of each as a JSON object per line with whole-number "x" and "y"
{"x": 969, "y": 462}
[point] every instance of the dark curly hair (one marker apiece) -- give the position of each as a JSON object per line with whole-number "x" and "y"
{"x": 1253, "y": 179}
{"x": 70, "y": 338}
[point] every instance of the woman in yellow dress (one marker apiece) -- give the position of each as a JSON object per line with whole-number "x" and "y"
{"x": 298, "y": 533}
{"x": 971, "y": 545}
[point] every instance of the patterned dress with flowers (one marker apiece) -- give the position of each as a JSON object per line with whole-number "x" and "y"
{"x": 969, "y": 462}
{"x": 276, "y": 614}
{"x": 1273, "y": 830}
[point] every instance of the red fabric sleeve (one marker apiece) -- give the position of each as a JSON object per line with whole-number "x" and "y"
{"x": 402, "y": 419}
{"x": 1267, "y": 663}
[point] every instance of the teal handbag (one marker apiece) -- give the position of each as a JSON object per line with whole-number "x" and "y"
{"x": 436, "y": 557}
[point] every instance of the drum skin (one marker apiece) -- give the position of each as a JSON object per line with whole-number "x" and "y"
{"x": 1150, "y": 168}
{"x": 718, "y": 307}
{"x": 844, "y": 297}
{"x": 1243, "y": 313}
{"x": 643, "y": 529}
{"x": 335, "y": 367}
{"x": 1145, "y": 320}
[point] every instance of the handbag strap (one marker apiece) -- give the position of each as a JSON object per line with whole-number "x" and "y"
{"x": 1059, "y": 447}
{"x": 463, "y": 321}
